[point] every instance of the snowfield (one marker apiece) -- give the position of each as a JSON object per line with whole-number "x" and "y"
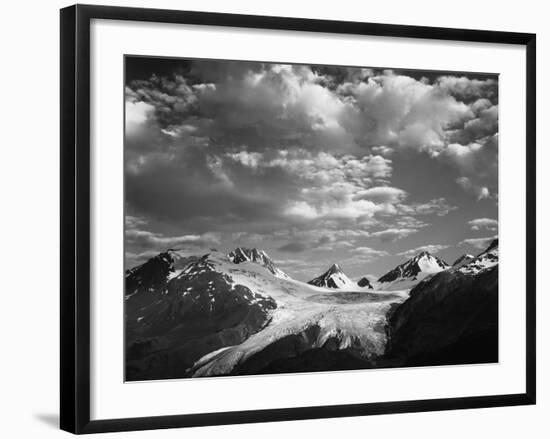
{"x": 353, "y": 317}
{"x": 231, "y": 314}
{"x": 484, "y": 261}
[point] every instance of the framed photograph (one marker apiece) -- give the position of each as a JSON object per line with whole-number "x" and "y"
{"x": 268, "y": 218}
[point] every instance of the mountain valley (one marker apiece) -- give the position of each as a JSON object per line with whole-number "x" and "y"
{"x": 231, "y": 314}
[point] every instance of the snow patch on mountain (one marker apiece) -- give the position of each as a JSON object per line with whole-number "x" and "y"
{"x": 482, "y": 262}
{"x": 462, "y": 260}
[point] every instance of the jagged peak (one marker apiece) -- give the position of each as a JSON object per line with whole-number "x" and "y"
{"x": 462, "y": 258}
{"x": 334, "y": 267}
{"x": 248, "y": 253}
{"x": 423, "y": 262}
{"x": 487, "y": 259}
{"x": 334, "y": 277}
{"x": 492, "y": 245}
{"x": 422, "y": 254}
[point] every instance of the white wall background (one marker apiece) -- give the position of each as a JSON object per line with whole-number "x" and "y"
{"x": 29, "y": 249}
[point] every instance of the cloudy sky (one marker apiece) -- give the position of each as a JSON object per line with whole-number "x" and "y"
{"x": 313, "y": 164}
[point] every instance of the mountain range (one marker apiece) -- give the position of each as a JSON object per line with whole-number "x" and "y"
{"x": 238, "y": 313}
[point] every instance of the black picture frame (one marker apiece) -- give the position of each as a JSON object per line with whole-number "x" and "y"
{"x": 75, "y": 217}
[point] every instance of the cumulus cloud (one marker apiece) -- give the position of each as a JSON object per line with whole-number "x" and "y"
{"x": 469, "y": 89}
{"x": 481, "y": 192}
{"x": 485, "y": 124}
{"x": 317, "y": 167}
{"x": 331, "y": 186}
{"x": 390, "y": 235}
{"x": 132, "y": 259}
{"x": 362, "y": 256}
{"x": 133, "y": 222}
{"x": 301, "y": 210}
{"x": 370, "y": 252}
{"x": 383, "y": 150}
{"x": 454, "y": 119}
{"x": 382, "y": 194}
{"x": 330, "y": 109}
{"x": 142, "y": 245}
{"x": 410, "y": 222}
{"x": 436, "y": 206}
{"x": 400, "y": 111}
{"x": 293, "y": 247}
{"x": 478, "y": 243}
{"x": 225, "y": 124}
{"x": 321, "y": 240}
{"x": 484, "y": 224}
{"x": 478, "y": 165}
{"x": 263, "y": 103}
{"x": 149, "y": 239}
{"x": 430, "y": 248}
{"x": 326, "y": 244}
{"x": 137, "y": 113}
{"x": 302, "y": 155}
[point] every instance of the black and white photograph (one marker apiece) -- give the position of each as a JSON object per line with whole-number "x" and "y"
{"x": 303, "y": 218}
{"x": 275, "y": 219}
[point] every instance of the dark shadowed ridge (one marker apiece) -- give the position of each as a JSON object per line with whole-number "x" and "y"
{"x": 364, "y": 282}
{"x": 449, "y": 318}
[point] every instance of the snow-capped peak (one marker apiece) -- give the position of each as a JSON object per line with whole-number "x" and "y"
{"x": 334, "y": 268}
{"x": 244, "y": 254}
{"x": 415, "y": 269}
{"x": 334, "y": 277}
{"x": 486, "y": 259}
{"x": 465, "y": 258}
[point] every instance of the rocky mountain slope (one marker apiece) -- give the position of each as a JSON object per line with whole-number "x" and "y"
{"x": 463, "y": 259}
{"x": 230, "y": 314}
{"x": 243, "y": 254}
{"x": 364, "y": 282}
{"x": 412, "y": 271}
{"x": 198, "y": 311}
{"x": 486, "y": 259}
{"x": 451, "y": 317}
{"x": 219, "y": 317}
{"x": 146, "y": 282}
